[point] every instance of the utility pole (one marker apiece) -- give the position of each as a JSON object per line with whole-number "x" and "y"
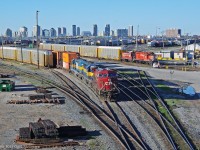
{"x": 37, "y": 39}
{"x": 137, "y": 37}
{"x": 2, "y": 46}
{"x": 21, "y": 47}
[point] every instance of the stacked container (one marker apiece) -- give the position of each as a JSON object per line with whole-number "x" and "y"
{"x": 68, "y": 57}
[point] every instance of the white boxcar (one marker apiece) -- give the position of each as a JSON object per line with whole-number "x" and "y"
{"x": 72, "y": 48}
{"x": 58, "y": 47}
{"x": 88, "y": 51}
{"x": 45, "y": 46}
{"x": 8, "y": 53}
{"x": 108, "y": 52}
{"x": 26, "y": 55}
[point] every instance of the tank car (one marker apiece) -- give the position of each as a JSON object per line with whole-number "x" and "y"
{"x": 103, "y": 80}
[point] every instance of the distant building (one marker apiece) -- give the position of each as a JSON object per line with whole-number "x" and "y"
{"x": 45, "y": 33}
{"x": 102, "y": 33}
{"x": 130, "y": 30}
{"x": 36, "y": 30}
{"x": 64, "y": 31}
{"x": 122, "y": 32}
{"x": 86, "y": 33}
{"x": 8, "y": 33}
{"x": 95, "y": 30}
{"x": 52, "y": 32}
{"x": 23, "y": 31}
{"x": 59, "y": 32}
{"x": 107, "y": 30}
{"x": 15, "y": 34}
{"x": 78, "y": 31}
{"x": 112, "y": 33}
{"x": 173, "y": 32}
{"x": 73, "y": 30}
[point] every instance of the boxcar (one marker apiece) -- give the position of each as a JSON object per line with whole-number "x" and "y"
{"x": 88, "y": 51}
{"x": 107, "y": 52}
{"x": 29, "y": 55}
{"x": 58, "y": 47}
{"x": 45, "y": 46}
{"x": 72, "y": 48}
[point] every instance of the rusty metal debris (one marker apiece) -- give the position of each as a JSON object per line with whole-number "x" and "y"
{"x": 54, "y": 101}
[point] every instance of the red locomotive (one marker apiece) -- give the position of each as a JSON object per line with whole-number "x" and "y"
{"x": 138, "y": 56}
{"x": 102, "y": 80}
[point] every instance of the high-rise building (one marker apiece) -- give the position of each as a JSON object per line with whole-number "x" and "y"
{"x": 36, "y": 30}
{"x": 95, "y": 30}
{"x": 73, "y": 30}
{"x": 173, "y": 32}
{"x": 52, "y": 32}
{"x": 15, "y": 34}
{"x": 86, "y": 33}
{"x": 8, "y": 33}
{"x": 107, "y": 30}
{"x": 122, "y": 32}
{"x": 59, "y": 32}
{"x": 130, "y": 30}
{"x": 112, "y": 33}
{"x": 23, "y": 31}
{"x": 78, "y": 31}
{"x": 45, "y": 33}
{"x": 64, "y": 31}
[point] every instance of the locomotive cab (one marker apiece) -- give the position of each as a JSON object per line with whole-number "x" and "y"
{"x": 106, "y": 80}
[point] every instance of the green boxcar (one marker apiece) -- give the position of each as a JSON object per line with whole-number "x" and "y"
{"x": 6, "y": 85}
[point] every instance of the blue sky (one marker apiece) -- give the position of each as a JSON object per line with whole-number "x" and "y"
{"x": 148, "y": 14}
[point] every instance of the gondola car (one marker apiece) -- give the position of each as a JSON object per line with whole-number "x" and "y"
{"x": 103, "y": 80}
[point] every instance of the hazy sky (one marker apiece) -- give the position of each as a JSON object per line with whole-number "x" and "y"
{"x": 148, "y": 14}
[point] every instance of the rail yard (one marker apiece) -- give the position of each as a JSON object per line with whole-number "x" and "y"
{"x": 120, "y": 106}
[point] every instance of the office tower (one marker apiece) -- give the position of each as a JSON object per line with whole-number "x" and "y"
{"x": 78, "y": 31}
{"x": 107, "y": 30}
{"x": 64, "y": 31}
{"x": 8, "y": 33}
{"x": 73, "y": 30}
{"x": 45, "y": 33}
{"x": 95, "y": 30}
{"x": 173, "y": 32}
{"x": 35, "y": 31}
{"x": 122, "y": 32}
{"x": 23, "y": 31}
{"x": 130, "y": 30}
{"x": 52, "y": 32}
{"x": 59, "y": 31}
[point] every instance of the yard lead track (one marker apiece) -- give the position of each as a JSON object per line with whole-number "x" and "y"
{"x": 125, "y": 135}
{"x": 151, "y": 106}
{"x": 148, "y": 83}
{"x": 97, "y": 113}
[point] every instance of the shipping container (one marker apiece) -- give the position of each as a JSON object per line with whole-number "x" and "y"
{"x": 88, "y": 51}
{"x": 107, "y": 52}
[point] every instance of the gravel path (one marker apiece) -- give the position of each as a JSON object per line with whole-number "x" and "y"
{"x": 13, "y": 117}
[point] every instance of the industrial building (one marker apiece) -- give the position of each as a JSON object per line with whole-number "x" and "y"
{"x": 173, "y": 32}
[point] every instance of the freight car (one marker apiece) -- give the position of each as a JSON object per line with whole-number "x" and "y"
{"x": 28, "y": 55}
{"x": 139, "y": 56}
{"x": 101, "y": 52}
{"x": 101, "y": 79}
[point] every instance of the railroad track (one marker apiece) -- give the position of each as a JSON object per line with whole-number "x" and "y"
{"x": 154, "y": 96}
{"x": 151, "y": 108}
{"x": 103, "y": 119}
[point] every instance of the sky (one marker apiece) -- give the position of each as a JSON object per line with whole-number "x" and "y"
{"x": 148, "y": 14}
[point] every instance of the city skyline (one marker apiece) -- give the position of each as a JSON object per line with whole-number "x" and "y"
{"x": 148, "y": 15}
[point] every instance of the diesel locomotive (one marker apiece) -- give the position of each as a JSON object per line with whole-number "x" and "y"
{"x": 103, "y": 80}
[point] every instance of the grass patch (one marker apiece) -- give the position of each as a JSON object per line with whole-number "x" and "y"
{"x": 164, "y": 112}
{"x": 163, "y": 87}
{"x": 172, "y": 102}
{"x": 92, "y": 143}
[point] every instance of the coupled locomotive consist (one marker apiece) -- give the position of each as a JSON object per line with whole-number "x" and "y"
{"x": 103, "y": 80}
